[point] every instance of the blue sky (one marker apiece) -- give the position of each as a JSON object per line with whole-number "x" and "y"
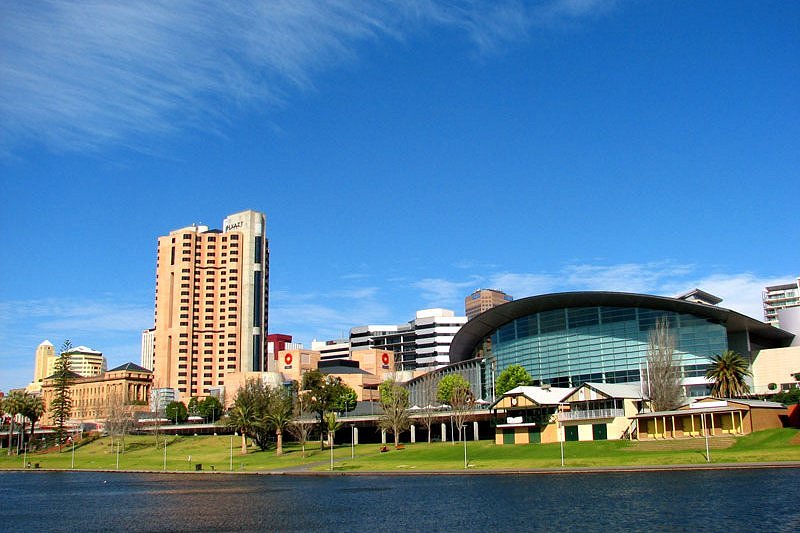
{"x": 405, "y": 154}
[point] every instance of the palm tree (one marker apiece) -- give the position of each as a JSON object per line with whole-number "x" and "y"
{"x": 243, "y": 418}
{"x": 32, "y": 409}
{"x": 12, "y": 405}
{"x": 280, "y": 416}
{"x": 279, "y": 421}
{"x": 728, "y": 371}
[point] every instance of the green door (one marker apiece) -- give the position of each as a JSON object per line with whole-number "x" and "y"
{"x": 599, "y": 432}
{"x": 508, "y": 436}
{"x": 571, "y": 433}
{"x": 534, "y": 436}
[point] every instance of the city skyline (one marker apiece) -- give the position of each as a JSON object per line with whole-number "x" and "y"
{"x": 404, "y": 156}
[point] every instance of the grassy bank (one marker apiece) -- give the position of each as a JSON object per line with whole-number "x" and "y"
{"x": 184, "y": 452}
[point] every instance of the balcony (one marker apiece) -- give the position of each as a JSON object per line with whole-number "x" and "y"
{"x": 590, "y": 414}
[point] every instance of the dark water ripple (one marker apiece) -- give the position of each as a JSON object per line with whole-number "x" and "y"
{"x": 737, "y": 500}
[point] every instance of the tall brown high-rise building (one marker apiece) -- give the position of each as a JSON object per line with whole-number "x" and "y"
{"x": 482, "y": 300}
{"x": 211, "y": 311}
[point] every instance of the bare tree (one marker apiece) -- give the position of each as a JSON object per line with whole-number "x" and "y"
{"x": 302, "y": 424}
{"x": 429, "y": 412}
{"x": 463, "y": 402}
{"x": 394, "y": 401}
{"x": 120, "y": 418}
{"x": 663, "y": 370}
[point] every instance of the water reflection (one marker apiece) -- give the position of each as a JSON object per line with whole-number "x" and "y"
{"x": 737, "y": 500}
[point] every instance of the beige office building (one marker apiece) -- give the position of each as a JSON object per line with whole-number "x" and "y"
{"x": 212, "y": 291}
{"x": 83, "y": 361}
{"x": 44, "y": 358}
{"x": 483, "y": 300}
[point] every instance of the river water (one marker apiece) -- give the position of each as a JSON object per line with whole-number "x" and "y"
{"x": 720, "y": 500}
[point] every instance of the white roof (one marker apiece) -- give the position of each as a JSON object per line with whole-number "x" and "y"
{"x": 46, "y": 343}
{"x": 86, "y": 350}
{"x": 548, "y": 396}
{"x": 617, "y": 390}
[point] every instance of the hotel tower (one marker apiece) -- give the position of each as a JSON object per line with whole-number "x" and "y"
{"x": 211, "y": 308}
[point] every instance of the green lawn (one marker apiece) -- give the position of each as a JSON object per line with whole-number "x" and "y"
{"x": 183, "y": 452}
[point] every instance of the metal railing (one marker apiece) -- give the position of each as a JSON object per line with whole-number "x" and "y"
{"x": 590, "y": 413}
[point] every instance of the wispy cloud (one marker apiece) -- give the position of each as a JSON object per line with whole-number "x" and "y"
{"x": 76, "y": 76}
{"x": 109, "y": 324}
{"x": 741, "y": 291}
{"x": 325, "y": 315}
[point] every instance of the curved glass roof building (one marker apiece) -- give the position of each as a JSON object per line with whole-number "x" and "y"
{"x": 567, "y": 339}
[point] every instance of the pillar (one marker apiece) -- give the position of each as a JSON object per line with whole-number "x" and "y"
{"x": 444, "y": 432}
{"x": 475, "y": 430}
{"x": 413, "y": 433}
{"x": 355, "y": 435}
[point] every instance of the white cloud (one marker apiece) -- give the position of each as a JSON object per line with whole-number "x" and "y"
{"x": 438, "y": 292}
{"x": 81, "y": 75}
{"x": 626, "y": 277}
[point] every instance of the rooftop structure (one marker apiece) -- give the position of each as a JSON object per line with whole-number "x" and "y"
{"x": 776, "y": 297}
{"x": 482, "y": 300}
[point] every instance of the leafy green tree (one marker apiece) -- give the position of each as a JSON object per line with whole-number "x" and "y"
{"x": 346, "y": 401}
{"x": 394, "y": 401}
{"x": 176, "y": 412}
{"x": 787, "y": 397}
{"x": 193, "y": 406}
{"x": 512, "y": 377}
{"x": 210, "y": 408}
{"x": 321, "y": 393}
{"x": 61, "y": 405}
{"x": 728, "y": 370}
{"x": 448, "y": 384}
{"x": 259, "y": 411}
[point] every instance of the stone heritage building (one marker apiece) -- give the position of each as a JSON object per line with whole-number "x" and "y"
{"x": 94, "y": 397}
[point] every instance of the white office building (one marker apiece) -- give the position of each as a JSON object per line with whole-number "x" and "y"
{"x": 421, "y": 344}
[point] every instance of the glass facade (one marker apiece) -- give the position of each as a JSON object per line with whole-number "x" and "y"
{"x": 569, "y": 346}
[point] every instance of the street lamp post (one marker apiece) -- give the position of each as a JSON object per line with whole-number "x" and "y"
{"x": 165, "y": 454}
{"x": 73, "y": 453}
{"x": 117, "y": 455}
{"x": 561, "y": 438}
{"x": 231, "y": 466}
{"x": 705, "y": 432}
{"x": 353, "y": 441}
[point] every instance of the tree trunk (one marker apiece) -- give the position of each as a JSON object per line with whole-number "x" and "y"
{"x": 21, "y": 437}
{"x": 279, "y": 450}
{"x": 244, "y": 444}
{"x": 396, "y": 438}
{"x": 10, "y": 433}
